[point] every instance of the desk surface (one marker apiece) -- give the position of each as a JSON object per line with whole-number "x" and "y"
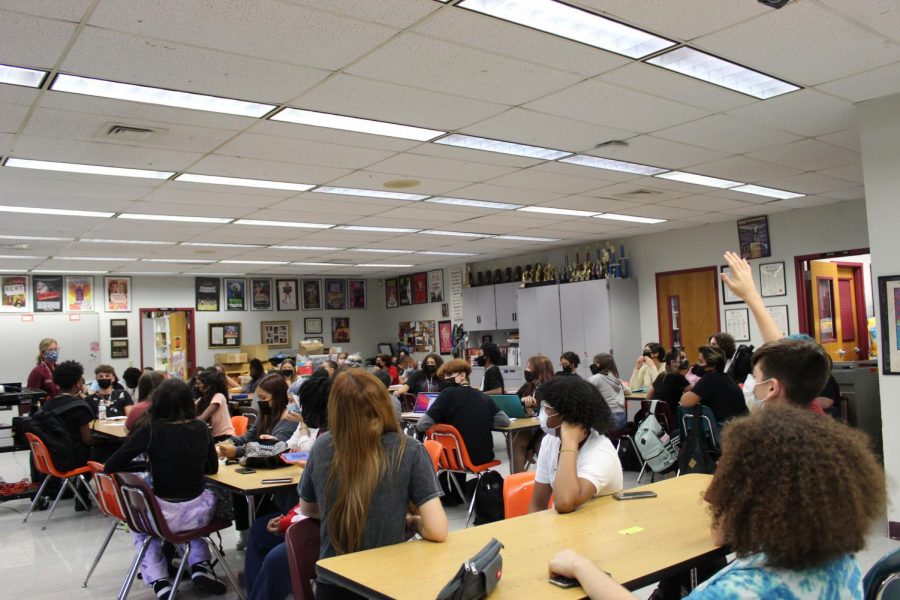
{"x": 523, "y": 423}
{"x": 251, "y": 483}
{"x": 636, "y": 396}
{"x": 675, "y": 531}
{"x": 112, "y": 428}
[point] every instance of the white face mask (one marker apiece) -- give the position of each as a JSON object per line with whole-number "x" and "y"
{"x": 543, "y": 417}
{"x": 753, "y": 403}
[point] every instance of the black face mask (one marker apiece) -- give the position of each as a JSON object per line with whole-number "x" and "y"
{"x": 447, "y": 383}
{"x": 698, "y": 370}
{"x": 104, "y": 384}
{"x": 265, "y": 408}
{"x": 429, "y": 369}
{"x": 684, "y": 365}
{"x": 287, "y": 372}
{"x": 479, "y": 360}
{"x": 594, "y": 368}
{"x": 529, "y": 376}
{"x": 648, "y": 354}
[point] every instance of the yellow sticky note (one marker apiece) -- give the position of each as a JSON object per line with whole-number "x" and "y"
{"x": 631, "y": 530}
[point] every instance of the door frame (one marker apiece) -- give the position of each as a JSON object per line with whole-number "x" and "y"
{"x": 192, "y": 339}
{"x": 659, "y": 319}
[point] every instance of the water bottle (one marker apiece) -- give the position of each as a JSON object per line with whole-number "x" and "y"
{"x": 102, "y": 409}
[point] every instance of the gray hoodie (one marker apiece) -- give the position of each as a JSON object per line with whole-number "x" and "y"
{"x": 611, "y": 389}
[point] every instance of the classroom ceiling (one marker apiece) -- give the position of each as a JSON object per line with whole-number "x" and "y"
{"x": 426, "y": 64}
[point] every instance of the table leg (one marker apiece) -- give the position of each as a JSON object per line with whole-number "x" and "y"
{"x": 251, "y": 508}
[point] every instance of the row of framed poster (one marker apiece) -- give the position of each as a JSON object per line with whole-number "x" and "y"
{"x": 418, "y": 288}
{"x": 279, "y": 294}
{"x": 55, "y": 293}
{"x": 737, "y": 321}
{"x": 772, "y": 282}
{"x": 277, "y": 334}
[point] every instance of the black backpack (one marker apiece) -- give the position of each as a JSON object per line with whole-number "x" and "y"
{"x": 49, "y": 426}
{"x": 696, "y": 455}
{"x": 489, "y": 498}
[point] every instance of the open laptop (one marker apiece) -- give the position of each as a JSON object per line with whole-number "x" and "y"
{"x": 423, "y": 402}
{"x": 510, "y": 404}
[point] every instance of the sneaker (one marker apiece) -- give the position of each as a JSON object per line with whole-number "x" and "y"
{"x": 205, "y": 580}
{"x": 162, "y": 588}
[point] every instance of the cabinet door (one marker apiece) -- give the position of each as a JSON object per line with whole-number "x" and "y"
{"x": 572, "y": 323}
{"x": 529, "y": 336}
{"x": 549, "y": 325}
{"x": 487, "y": 310}
{"x": 505, "y": 298}
{"x": 596, "y": 320}
{"x": 470, "y": 308}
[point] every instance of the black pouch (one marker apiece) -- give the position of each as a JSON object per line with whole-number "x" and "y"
{"x": 477, "y": 577}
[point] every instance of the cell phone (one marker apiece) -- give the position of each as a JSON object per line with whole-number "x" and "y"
{"x": 282, "y": 480}
{"x": 295, "y": 457}
{"x": 245, "y": 471}
{"x": 564, "y": 582}
{"x": 634, "y": 495}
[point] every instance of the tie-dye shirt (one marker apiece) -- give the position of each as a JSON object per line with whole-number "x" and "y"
{"x": 750, "y": 577}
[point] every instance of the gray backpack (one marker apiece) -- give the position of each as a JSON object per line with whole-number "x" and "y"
{"x": 653, "y": 443}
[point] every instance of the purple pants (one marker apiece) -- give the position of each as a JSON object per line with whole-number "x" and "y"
{"x": 180, "y": 516}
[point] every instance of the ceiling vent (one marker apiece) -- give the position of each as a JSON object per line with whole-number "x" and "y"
{"x": 126, "y": 133}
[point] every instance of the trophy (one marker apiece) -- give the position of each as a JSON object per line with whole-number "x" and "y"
{"x": 527, "y": 276}
{"x": 538, "y": 273}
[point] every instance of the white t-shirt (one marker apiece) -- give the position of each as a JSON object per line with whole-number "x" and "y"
{"x": 597, "y": 462}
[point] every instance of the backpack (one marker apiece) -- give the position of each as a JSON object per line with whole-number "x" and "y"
{"x": 628, "y": 455}
{"x": 696, "y": 455}
{"x": 51, "y": 429}
{"x": 489, "y": 498}
{"x": 654, "y": 444}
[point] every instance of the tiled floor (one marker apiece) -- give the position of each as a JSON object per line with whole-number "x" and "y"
{"x": 51, "y": 564}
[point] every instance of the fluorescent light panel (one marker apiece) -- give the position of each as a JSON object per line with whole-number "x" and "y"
{"x": 21, "y": 76}
{"x": 573, "y": 24}
{"x": 479, "y": 143}
{"x": 197, "y": 261}
{"x": 381, "y": 250}
{"x": 260, "y": 223}
{"x": 712, "y": 69}
{"x": 253, "y": 262}
{"x": 35, "y": 238}
{"x": 614, "y": 217}
{"x": 241, "y": 182}
{"x": 143, "y": 242}
{"x": 609, "y": 164}
{"x": 455, "y": 233}
{"x": 369, "y": 193}
{"x": 151, "y": 95}
{"x": 320, "y": 264}
{"x": 320, "y": 119}
{"x": 549, "y": 210}
{"x": 69, "y": 272}
{"x": 179, "y": 218}
{"x": 376, "y": 229}
{"x": 98, "y": 258}
{"x": 322, "y": 248}
{"x": 220, "y": 245}
{"x": 59, "y": 212}
{"x": 438, "y": 253}
{"x": 767, "y": 191}
{"x": 525, "y": 238}
{"x": 699, "y": 179}
{"x": 22, "y": 256}
{"x": 474, "y": 203}
{"x": 386, "y": 266}
{"x": 45, "y": 165}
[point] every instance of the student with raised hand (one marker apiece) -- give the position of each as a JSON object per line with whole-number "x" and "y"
{"x": 577, "y": 461}
{"x": 788, "y": 371}
{"x": 766, "y": 504}
{"x": 648, "y": 366}
{"x": 213, "y": 404}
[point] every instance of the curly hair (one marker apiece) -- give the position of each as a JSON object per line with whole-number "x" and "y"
{"x": 68, "y": 374}
{"x": 777, "y": 466}
{"x": 313, "y": 397}
{"x": 577, "y": 401}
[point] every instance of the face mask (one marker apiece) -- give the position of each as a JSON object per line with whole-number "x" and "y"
{"x": 104, "y": 384}
{"x": 529, "y": 376}
{"x": 447, "y": 383}
{"x": 698, "y": 370}
{"x": 594, "y": 368}
{"x": 647, "y": 353}
{"x": 429, "y": 369}
{"x": 566, "y": 368}
{"x": 542, "y": 419}
{"x": 479, "y": 360}
{"x": 287, "y": 372}
{"x": 51, "y": 355}
{"x": 265, "y": 408}
{"x": 753, "y": 403}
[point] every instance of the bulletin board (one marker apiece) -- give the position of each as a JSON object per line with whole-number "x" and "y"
{"x": 419, "y": 336}
{"x": 78, "y": 335}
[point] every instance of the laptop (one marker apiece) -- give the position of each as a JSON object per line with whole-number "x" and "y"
{"x": 510, "y": 404}
{"x": 424, "y": 402}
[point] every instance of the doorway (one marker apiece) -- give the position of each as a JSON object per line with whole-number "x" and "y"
{"x": 687, "y": 306}
{"x": 167, "y": 341}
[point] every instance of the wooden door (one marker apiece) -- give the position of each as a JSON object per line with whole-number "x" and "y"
{"x": 687, "y": 305}
{"x": 826, "y": 306}
{"x": 852, "y": 316}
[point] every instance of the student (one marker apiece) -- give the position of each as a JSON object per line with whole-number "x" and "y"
{"x": 671, "y": 385}
{"x": 538, "y": 371}
{"x": 737, "y": 358}
{"x": 148, "y": 382}
{"x": 785, "y": 547}
{"x": 385, "y": 379}
{"x": 425, "y": 379}
{"x": 342, "y": 359}
{"x": 492, "y": 383}
{"x": 788, "y": 371}
{"x": 131, "y": 376}
{"x": 715, "y": 389}
{"x": 213, "y": 404}
{"x": 388, "y": 471}
{"x": 470, "y": 411}
{"x": 288, "y": 370}
{"x": 313, "y": 411}
{"x": 568, "y": 364}
{"x": 229, "y": 382}
{"x": 41, "y": 376}
{"x": 577, "y": 461}
{"x": 180, "y": 453}
{"x": 116, "y": 403}
{"x": 648, "y": 367}
{"x": 606, "y": 379}
{"x": 383, "y": 362}
{"x": 256, "y": 372}
{"x": 407, "y": 365}
{"x": 272, "y": 396}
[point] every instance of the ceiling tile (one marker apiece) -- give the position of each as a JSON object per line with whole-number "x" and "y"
{"x": 327, "y": 208}
{"x": 14, "y": 94}
{"x": 727, "y": 134}
{"x": 743, "y": 169}
{"x": 28, "y": 41}
{"x": 712, "y": 217}
{"x": 372, "y": 180}
{"x": 658, "y": 152}
{"x": 251, "y": 168}
{"x": 751, "y": 210}
{"x": 643, "y": 191}
{"x": 504, "y": 193}
{"x": 548, "y": 182}
{"x": 71, "y": 10}
{"x": 413, "y": 165}
{"x": 105, "y": 154}
{"x": 865, "y": 86}
{"x": 881, "y": 15}
{"x": 571, "y": 170}
{"x": 805, "y": 112}
{"x": 396, "y": 13}
{"x": 269, "y": 147}
{"x": 657, "y": 211}
{"x": 809, "y": 183}
{"x": 12, "y": 116}
{"x": 593, "y": 204}
{"x": 327, "y": 135}
{"x": 704, "y": 203}
{"x": 213, "y": 195}
{"x": 849, "y": 139}
{"x": 852, "y": 172}
{"x": 18, "y": 181}
{"x": 808, "y": 202}
{"x": 854, "y": 193}
{"x": 6, "y": 142}
{"x": 809, "y": 155}
{"x": 472, "y": 155}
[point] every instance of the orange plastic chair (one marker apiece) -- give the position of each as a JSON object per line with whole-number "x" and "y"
{"x": 110, "y": 503}
{"x": 434, "y": 451}
{"x": 43, "y": 463}
{"x": 240, "y": 424}
{"x": 517, "y": 491}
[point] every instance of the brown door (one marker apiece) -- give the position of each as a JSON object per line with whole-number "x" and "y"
{"x": 687, "y": 304}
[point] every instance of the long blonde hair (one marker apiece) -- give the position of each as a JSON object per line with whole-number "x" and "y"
{"x": 42, "y": 347}
{"x": 359, "y": 413}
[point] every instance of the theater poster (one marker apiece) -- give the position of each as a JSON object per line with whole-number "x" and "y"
{"x": 79, "y": 293}
{"x": 47, "y": 292}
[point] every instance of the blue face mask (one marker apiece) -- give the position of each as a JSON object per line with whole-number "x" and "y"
{"x": 51, "y": 355}
{"x": 543, "y": 417}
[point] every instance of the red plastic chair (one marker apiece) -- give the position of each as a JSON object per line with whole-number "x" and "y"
{"x": 454, "y": 458}
{"x": 240, "y": 424}
{"x": 143, "y": 515}
{"x": 517, "y": 491}
{"x": 110, "y": 504}
{"x": 434, "y": 451}
{"x": 302, "y": 540}
{"x": 43, "y": 463}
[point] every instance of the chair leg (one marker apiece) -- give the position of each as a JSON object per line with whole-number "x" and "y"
{"x": 221, "y": 561}
{"x": 132, "y": 571}
{"x": 37, "y": 497}
{"x": 180, "y": 573}
{"x": 454, "y": 482}
{"x": 78, "y": 495}
{"x": 109, "y": 535}
{"x": 62, "y": 489}
{"x": 89, "y": 489}
{"x": 472, "y": 503}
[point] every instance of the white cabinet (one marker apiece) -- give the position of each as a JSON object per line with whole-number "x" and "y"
{"x": 507, "y": 306}
{"x": 540, "y": 329}
{"x": 490, "y": 307}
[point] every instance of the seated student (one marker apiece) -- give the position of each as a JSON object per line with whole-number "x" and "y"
{"x": 606, "y": 379}
{"x": 213, "y": 404}
{"x": 147, "y": 383}
{"x": 577, "y": 461}
{"x": 116, "y": 403}
{"x": 256, "y": 372}
{"x": 181, "y": 453}
{"x": 384, "y": 362}
{"x": 388, "y": 471}
{"x": 229, "y": 382}
{"x": 407, "y": 366}
{"x": 492, "y": 383}
{"x": 538, "y": 371}
{"x": 737, "y": 358}
{"x": 272, "y": 395}
{"x": 313, "y": 415}
{"x": 568, "y": 364}
{"x": 715, "y": 389}
{"x": 766, "y": 502}
{"x": 425, "y": 379}
{"x": 131, "y": 376}
{"x": 470, "y": 411}
{"x": 648, "y": 366}
{"x": 788, "y": 371}
{"x": 385, "y": 379}
{"x": 671, "y": 385}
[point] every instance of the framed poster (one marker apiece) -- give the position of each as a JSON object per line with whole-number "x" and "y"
{"x": 728, "y": 297}
{"x": 15, "y": 293}
{"x": 206, "y": 293}
{"x": 771, "y": 280}
{"x": 312, "y": 294}
{"x": 287, "y": 294}
{"x": 47, "y": 292}
{"x": 356, "y": 293}
{"x": 117, "y": 294}
{"x": 277, "y": 334}
{"x": 390, "y": 293}
{"x": 118, "y": 348}
{"x": 312, "y": 325}
{"x": 436, "y": 285}
{"x": 260, "y": 294}
{"x": 340, "y": 330}
{"x": 335, "y": 294}
{"x": 780, "y": 315}
{"x": 737, "y": 323}
{"x": 445, "y": 336}
{"x": 118, "y": 328}
{"x": 235, "y": 294}
{"x": 753, "y": 236}
{"x": 889, "y": 306}
{"x": 79, "y": 293}
{"x": 420, "y": 288}
{"x": 404, "y": 292}
{"x": 225, "y": 335}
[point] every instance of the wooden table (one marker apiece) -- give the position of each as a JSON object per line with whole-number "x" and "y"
{"x": 674, "y": 536}
{"x": 252, "y": 483}
{"x": 112, "y": 427}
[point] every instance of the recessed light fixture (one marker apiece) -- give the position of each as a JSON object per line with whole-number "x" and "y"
{"x": 609, "y": 164}
{"x": 152, "y": 95}
{"x": 22, "y": 256}
{"x": 220, "y": 245}
{"x": 455, "y": 233}
{"x": 189, "y": 261}
{"x": 21, "y": 76}
{"x": 35, "y": 238}
{"x": 369, "y": 193}
{"x": 45, "y": 165}
{"x": 260, "y": 223}
{"x": 713, "y": 69}
{"x": 322, "y": 248}
{"x": 374, "y": 229}
{"x": 630, "y": 218}
{"x": 489, "y": 145}
{"x": 381, "y": 250}
{"x": 525, "y": 238}
{"x": 106, "y": 241}
{"x": 573, "y": 24}
{"x": 321, "y": 119}
{"x": 474, "y": 203}
{"x": 321, "y": 264}
{"x": 549, "y": 210}
{"x": 97, "y": 258}
{"x": 241, "y": 182}
{"x": 699, "y": 179}
{"x": 439, "y": 253}
{"x": 59, "y": 212}
{"x": 69, "y": 271}
{"x": 767, "y": 191}
{"x": 253, "y": 262}
{"x": 178, "y": 218}
{"x": 386, "y": 266}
